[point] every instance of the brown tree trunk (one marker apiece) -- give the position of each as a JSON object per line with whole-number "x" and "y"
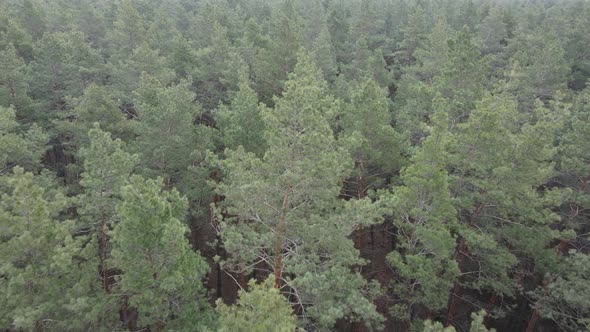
{"x": 218, "y": 252}
{"x": 360, "y": 195}
{"x": 536, "y": 315}
{"x": 584, "y": 184}
{"x": 278, "y": 261}
{"x": 102, "y": 253}
{"x": 533, "y": 321}
{"x": 460, "y": 257}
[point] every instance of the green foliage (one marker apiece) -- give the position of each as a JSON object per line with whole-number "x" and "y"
{"x": 477, "y": 324}
{"x": 260, "y": 309}
{"x": 32, "y": 18}
{"x": 574, "y": 142}
{"x": 430, "y": 326}
{"x": 492, "y": 32}
{"x": 96, "y": 105}
{"x": 378, "y": 152}
{"x": 338, "y": 22}
{"x": 64, "y": 64}
{"x": 423, "y": 215}
{"x": 414, "y": 34}
{"x": 38, "y": 255}
{"x": 18, "y": 147}
{"x": 500, "y": 158}
{"x": 217, "y": 68}
{"x": 165, "y": 132}
{"x": 573, "y": 158}
{"x": 575, "y": 53}
{"x": 14, "y": 82}
{"x": 129, "y": 29}
{"x": 565, "y": 299}
{"x": 281, "y": 204}
{"x": 106, "y": 169}
{"x": 161, "y": 274}
{"x": 241, "y": 123}
{"x": 128, "y": 71}
{"x": 450, "y": 71}
{"x": 13, "y": 33}
{"x": 443, "y": 127}
{"x": 273, "y": 64}
{"x": 322, "y": 53}
{"x": 539, "y": 68}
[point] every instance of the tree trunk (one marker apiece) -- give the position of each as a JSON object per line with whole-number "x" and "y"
{"x": 360, "y": 195}
{"x": 460, "y": 257}
{"x": 278, "y": 261}
{"x": 102, "y": 254}
{"x": 533, "y": 321}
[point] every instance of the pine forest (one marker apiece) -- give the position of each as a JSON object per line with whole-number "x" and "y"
{"x": 295, "y": 165}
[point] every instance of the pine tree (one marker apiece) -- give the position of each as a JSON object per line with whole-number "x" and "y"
{"x": 423, "y": 216}
{"x": 574, "y": 161}
{"x": 19, "y": 147}
{"x": 166, "y": 116}
{"x": 161, "y": 274}
{"x": 240, "y": 122}
{"x": 209, "y": 17}
{"x": 273, "y": 64}
{"x": 106, "y": 169}
{"x": 217, "y": 68}
{"x": 575, "y": 51}
{"x": 252, "y": 43}
{"x": 173, "y": 137}
{"x": 561, "y": 296}
{"x": 375, "y": 147}
{"x": 14, "y": 85}
{"x": 262, "y": 308}
{"x": 501, "y": 158}
{"x": 323, "y": 55}
{"x": 162, "y": 31}
{"x": 95, "y": 105}
{"x": 32, "y": 18}
{"x": 492, "y": 39}
{"x": 461, "y": 82}
{"x": 378, "y": 154}
{"x": 565, "y": 298}
{"x": 38, "y": 256}
{"x": 64, "y": 65}
{"x": 368, "y": 23}
{"x": 316, "y": 37}
{"x": 129, "y": 30}
{"x": 127, "y": 72}
{"x": 492, "y": 32}
{"x": 13, "y": 33}
{"x": 453, "y": 69}
{"x": 339, "y": 28}
{"x": 415, "y": 32}
{"x": 538, "y": 67}
{"x": 359, "y": 65}
{"x": 287, "y": 214}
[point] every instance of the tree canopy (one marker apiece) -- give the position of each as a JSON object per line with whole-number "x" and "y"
{"x": 283, "y": 165}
